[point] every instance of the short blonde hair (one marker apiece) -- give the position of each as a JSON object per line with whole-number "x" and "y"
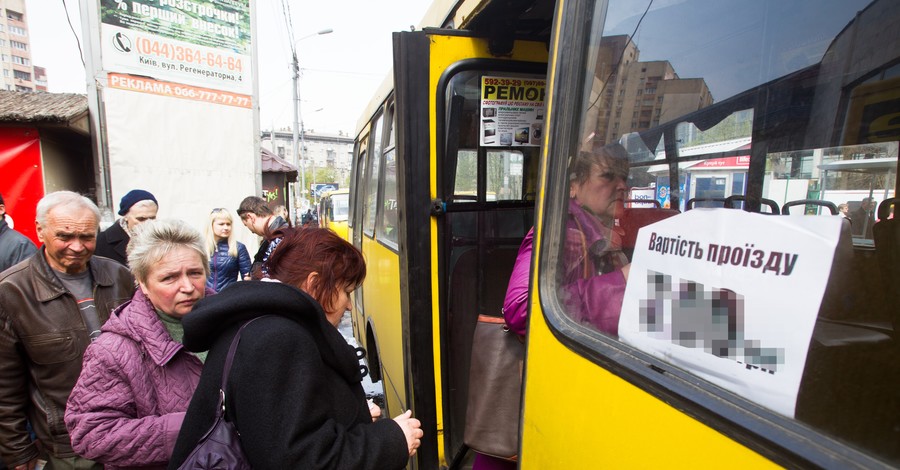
{"x": 154, "y": 239}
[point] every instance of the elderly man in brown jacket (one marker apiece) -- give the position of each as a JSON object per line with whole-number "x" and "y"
{"x": 51, "y": 306}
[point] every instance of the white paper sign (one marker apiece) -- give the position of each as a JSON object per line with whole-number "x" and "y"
{"x": 731, "y": 297}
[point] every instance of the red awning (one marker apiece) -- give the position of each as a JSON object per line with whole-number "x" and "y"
{"x": 272, "y": 163}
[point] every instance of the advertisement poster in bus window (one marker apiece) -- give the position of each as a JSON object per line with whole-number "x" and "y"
{"x": 663, "y": 191}
{"x": 204, "y": 44}
{"x": 641, "y": 197}
{"x": 731, "y": 297}
{"x": 512, "y": 111}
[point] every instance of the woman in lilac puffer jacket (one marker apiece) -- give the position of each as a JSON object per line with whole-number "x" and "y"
{"x": 137, "y": 379}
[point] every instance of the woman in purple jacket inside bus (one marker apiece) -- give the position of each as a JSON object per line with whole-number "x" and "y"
{"x": 594, "y": 268}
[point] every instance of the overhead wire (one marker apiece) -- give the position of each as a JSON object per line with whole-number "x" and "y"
{"x": 343, "y": 72}
{"x": 77, "y": 41}
{"x": 286, "y": 11}
{"x": 621, "y": 56}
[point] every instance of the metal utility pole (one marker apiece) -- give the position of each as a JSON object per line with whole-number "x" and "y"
{"x": 298, "y": 191}
{"x": 301, "y": 163}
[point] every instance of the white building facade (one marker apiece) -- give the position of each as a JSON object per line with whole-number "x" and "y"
{"x": 318, "y": 150}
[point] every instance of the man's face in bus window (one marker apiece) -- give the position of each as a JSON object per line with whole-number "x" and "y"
{"x": 603, "y": 192}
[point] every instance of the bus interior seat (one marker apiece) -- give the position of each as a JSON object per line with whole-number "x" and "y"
{"x": 853, "y": 302}
{"x": 809, "y": 202}
{"x": 704, "y": 202}
{"x": 886, "y": 232}
{"x": 852, "y": 349}
{"x": 743, "y": 198}
{"x": 633, "y": 218}
{"x": 478, "y": 271}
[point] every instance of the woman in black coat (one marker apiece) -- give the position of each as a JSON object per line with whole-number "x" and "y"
{"x": 294, "y": 393}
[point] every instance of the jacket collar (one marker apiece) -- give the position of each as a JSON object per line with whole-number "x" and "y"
{"x": 246, "y": 300}
{"x": 116, "y": 233}
{"x": 137, "y": 320}
{"x": 594, "y": 227}
{"x": 47, "y": 285}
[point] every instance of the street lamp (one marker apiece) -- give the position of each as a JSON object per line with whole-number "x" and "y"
{"x": 296, "y": 69}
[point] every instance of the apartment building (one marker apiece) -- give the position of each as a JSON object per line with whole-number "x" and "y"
{"x": 15, "y": 49}
{"x": 320, "y": 150}
{"x": 635, "y": 96}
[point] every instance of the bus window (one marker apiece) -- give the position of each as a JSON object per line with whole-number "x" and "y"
{"x": 784, "y": 104}
{"x": 504, "y": 178}
{"x": 466, "y": 180}
{"x": 339, "y": 208}
{"x": 374, "y": 175}
{"x": 387, "y": 227}
{"x": 508, "y": 162}
{"x": 839, "y": 175}
{"x": 357, "y": 191}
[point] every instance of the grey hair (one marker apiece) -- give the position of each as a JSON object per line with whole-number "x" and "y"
{"x": 154, "y": 239}
{"x": 64, "y": 198}
{"x": 143, "y": 203}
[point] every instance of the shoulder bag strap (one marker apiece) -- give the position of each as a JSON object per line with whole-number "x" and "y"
{"x": 229, "y": 359}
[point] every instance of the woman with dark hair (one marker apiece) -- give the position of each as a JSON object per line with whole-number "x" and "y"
{"x": 294, "y": 391}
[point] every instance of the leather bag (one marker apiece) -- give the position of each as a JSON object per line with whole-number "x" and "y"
{"x": 495, "y": 390}
{"x": 220, "y": 448}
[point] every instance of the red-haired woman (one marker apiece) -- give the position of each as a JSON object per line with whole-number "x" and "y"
{"x": 294, "y": 393}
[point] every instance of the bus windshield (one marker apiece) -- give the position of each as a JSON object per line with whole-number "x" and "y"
{"x": 341, "y": 206}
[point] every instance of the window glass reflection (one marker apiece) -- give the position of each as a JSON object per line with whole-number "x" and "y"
{"x": 765, "y": 106}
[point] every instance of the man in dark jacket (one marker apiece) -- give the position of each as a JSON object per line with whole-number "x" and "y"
{"x": 136, "y": 207}
{"x": 258, "y": 217}
{"x": 863, "y": 219}
{"x": 51, "y": 305}
{"x": 14, "y": 246}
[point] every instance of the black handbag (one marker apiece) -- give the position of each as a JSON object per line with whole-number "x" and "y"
{"x": 220, "y": 448}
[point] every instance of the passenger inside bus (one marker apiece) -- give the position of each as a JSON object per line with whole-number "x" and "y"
{"x": 595, "y": 268}
{"x": 862, "y": 219}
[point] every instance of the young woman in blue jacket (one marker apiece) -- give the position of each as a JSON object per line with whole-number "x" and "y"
{"x": 229, "y": 259}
